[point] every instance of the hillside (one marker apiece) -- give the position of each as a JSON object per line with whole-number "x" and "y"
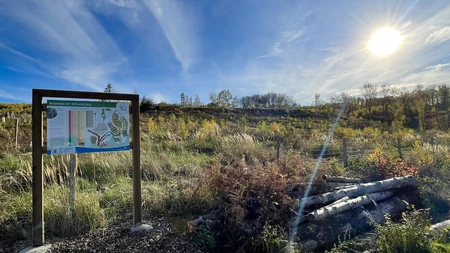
{"x": 197, "y": 160}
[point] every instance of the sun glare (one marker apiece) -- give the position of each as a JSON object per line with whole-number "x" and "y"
{"x": 384, "y": 41}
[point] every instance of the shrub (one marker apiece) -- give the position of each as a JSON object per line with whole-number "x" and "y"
{"x": 410, "y": 235}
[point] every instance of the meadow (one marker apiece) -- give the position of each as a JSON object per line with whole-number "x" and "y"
{"x": 196, "y": 159}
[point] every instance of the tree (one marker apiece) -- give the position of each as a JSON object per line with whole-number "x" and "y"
{"x": 387, "y": 94}
{"x": 224, "y": 98}
{"x": 431, "y": 99}
{"x": 317, "y": 101}
{"x": 197, "y": 101}
{"x": 213, "y": 97}
{"x": 369, "y": 92}
{"x": 109, "y": 88}
{"x": 146, "y": 104}
{"x": 420, "y": 106}
{"x": 444, "y": 97}
{"x": 398, "y": 124}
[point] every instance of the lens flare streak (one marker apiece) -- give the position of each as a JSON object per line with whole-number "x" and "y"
{"x": 311, "y": 180}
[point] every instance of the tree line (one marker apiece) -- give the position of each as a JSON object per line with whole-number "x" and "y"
{"x": 430, "y": 105}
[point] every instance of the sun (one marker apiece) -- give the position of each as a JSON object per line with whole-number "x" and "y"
{"x": 384, "y": 41}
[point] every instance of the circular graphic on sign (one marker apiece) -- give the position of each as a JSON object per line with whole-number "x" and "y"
{"x": 51, "y": 113}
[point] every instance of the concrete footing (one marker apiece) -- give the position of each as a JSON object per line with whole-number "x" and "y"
{"x": 40, "y": 249}
{"x": 142, "y": 227}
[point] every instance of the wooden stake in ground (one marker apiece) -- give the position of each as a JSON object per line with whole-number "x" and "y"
{"x": 17, "y": 131}
{"x": 344, "y": 150}
{"x": 340, "y": 206}
{"x": 357, "y": 190}
{"x": 278, "y": 149}
{"x": 73, "y": 164}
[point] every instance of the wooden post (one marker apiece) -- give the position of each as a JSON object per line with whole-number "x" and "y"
{"x": 38, "y": 179}
{"x": 137, "y": 198}
{"x": 73, "y": 164}
{"x": 399, "y": 148}
{"x": 278, "y": 149}
{"x": 344, "y": 154}
{"x": 17, "y": 131}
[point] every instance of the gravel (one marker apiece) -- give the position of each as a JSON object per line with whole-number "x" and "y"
{"x": 118, "y": 238}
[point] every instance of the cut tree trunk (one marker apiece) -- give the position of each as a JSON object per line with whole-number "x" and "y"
{"x": 343, "y": 187}
{"x": 344, "y": 205}
{"x": 357, "y": 190}
{"x": 329, "y": 178}
{"x": 441, "y": 225}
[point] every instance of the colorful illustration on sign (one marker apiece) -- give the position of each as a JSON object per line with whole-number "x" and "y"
{"x": 74, "y": 127}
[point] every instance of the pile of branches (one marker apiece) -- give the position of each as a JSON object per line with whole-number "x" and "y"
{"x": 345, "y": 207}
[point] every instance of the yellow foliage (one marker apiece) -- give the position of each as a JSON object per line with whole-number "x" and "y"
{"x": 151, "y": 125}
{"x": 345, "y": 132}
{"x": 209, "y": 129}
{"x": 377, "y": 154}
{"x": 423, "y": 156}
{"x": 276, "y": 127}
{"x": 182, "y": 129}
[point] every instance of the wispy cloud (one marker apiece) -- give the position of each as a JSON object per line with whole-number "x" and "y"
{"x": 438, "y": 66}
{"x": 441, "y": 35}
{"x": 18, "y": 53}
{"x": 178, "y": 28}
{"x": 70, "y": 34}
{"x": 406, "y": 24}
{"x": 4, "y": 94}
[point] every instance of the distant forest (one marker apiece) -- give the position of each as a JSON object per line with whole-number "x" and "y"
{"x": 429, "y": 106}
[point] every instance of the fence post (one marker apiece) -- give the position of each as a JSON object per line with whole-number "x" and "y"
{"x": 344, "y": 155}
{"x": 17, "y": 131}
{"x": 73, "y": 164}
{"x": 278, "y": 149}
{"x": 399, "y": 148}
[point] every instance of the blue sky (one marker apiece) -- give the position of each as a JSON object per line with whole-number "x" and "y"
{"x": 160, "y": 48}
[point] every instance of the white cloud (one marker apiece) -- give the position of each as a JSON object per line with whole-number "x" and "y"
{"x": 158, "y": 97}
{"x": 177, "y": 25}
{"x": 441, "y": 35}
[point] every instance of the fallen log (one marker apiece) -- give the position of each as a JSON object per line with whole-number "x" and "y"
{"x": 357, "y": 190}
{"x": 344, "y": 205}
{"x": 441, "y": 225}
{"x": 326, "y": 232}
{"x": 342, "y": 187}
{"x": 329, "y": 178}
{"x": 336, "y": 184}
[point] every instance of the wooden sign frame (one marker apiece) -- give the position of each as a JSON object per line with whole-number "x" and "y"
{"x": 38, "y": 150}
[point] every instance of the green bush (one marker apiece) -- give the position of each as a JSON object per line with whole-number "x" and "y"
{"x": 409, "y": 235}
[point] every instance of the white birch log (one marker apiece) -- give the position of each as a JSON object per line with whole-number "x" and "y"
{"x": 344, "y": 205}
{"x": 357, "y": 190}
{"x": 441, "y": 225}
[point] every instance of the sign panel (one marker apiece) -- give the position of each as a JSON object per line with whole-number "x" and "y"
{"x": 87, "y": 126}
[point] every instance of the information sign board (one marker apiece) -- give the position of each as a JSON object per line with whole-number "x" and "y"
{"x": 87, "y": 126}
